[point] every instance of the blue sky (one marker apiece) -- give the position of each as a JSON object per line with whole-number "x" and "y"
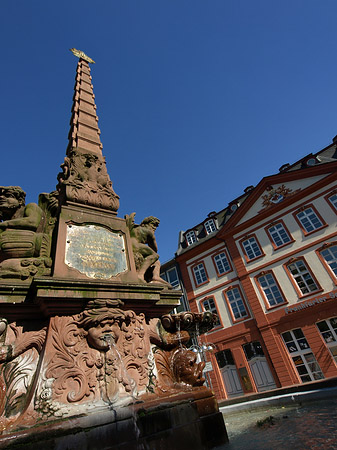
{"x": 196, "y": 99}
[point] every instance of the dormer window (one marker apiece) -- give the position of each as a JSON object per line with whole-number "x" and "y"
{"x": 210, "y": 226}
{"x": 190, "y": 237}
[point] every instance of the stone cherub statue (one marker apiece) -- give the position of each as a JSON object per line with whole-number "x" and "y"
{"x": 24, "y": 234}
{"x": 144, "y": 246}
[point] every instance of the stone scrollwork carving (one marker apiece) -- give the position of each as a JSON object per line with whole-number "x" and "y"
{"x": 25, "y": 233}
{"x": 105, "y": 356}
{"x": 84, "y": 179}
{"x": 100, "y": 355}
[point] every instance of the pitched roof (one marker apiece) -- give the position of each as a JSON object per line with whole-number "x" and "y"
{"x": 232, "y": 213}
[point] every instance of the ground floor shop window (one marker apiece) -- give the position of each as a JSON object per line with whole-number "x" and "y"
{"x": 259, "y": 367}
{"x": 304, "y": 360}
{"x": 328, "y": 330}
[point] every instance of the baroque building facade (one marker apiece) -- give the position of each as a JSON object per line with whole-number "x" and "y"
{"x": 267, "y": 265}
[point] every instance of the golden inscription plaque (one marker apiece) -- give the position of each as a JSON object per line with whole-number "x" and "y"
{"x": 95, "y": 251}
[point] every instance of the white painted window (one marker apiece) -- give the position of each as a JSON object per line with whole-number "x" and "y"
{"x": 251, "y": 248}
{"x": 279, "y": 234}
{"x": 190, "y": 237}
{"x": 302, "y": 277}
{"x": 200, "y": 274}
{"x": 209, "y": 305}
{"x": 236, "y": 303}
{"x": 210, "y": 226}
{"x": 328, "y": 330}
{"x": 270, "y": 289}
{"x": 330, "y": 256}
{"x": 309, "y": 220}
{"x": 304, "y": 360}
{"x": 333, "y": 200}
{"x": 222, "y": 263}
{"x": 171, "y": 277}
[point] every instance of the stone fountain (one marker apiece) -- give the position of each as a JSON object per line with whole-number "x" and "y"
{"x": 89, "y": 355}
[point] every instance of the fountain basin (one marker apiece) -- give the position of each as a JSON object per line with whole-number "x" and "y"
{"x": 179, "y": 421}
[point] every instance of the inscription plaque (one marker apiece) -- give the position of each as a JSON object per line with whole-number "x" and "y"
{"x": 95, "y": 251}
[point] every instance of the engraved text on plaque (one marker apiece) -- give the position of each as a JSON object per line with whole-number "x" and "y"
{"x": 95, "y": 251}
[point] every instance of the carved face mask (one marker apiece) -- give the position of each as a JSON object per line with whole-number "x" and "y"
{"x": 103, "y": 335}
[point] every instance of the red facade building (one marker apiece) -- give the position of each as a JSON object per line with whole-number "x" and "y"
{"x": 267, "y": 265}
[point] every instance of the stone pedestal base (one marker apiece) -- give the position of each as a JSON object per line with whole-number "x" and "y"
{"x": 179, "y": 421}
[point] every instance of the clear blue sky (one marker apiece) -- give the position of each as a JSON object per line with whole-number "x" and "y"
{"x": 196, "y": 99}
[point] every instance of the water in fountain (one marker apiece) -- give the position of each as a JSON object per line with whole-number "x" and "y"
{"x": 179, "y": 332}
{"x": 128, "y": 382}
{"x": 131, "y": 385}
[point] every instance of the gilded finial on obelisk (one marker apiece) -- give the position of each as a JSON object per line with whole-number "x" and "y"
{"x": 81, "y": 55}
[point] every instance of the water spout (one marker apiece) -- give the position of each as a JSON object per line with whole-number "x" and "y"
{"x": 109, "y": 339}
{"x": 179, "y": 332}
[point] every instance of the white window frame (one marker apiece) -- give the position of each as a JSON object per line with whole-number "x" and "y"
{"x": 332, "y": 263}
{"x": 333, "y": 200}
{"x": 190, "y": 237}
{"x": 222, "y": 263}
{"x": 302, "y": 276}
{"x": 329, "y": 336}
{"x": 200, "y": 274}
{"x": 279, "y": 234}
{"x": 236, "y": 303}
{"x": 309, "y": 220}
{"x": 210, "y": 226}
{"x": 166, "y": 276}
{"x": 302, "y": 356}
{"x": 271, "y": 289}
{"x": 213, "y": 309}
{"x": 252, "y": 248}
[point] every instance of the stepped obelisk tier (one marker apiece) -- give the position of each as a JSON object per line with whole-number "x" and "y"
{"x": 84, "y": 178}
{"x": 92, "y": 242}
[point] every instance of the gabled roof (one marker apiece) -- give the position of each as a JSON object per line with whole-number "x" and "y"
{"x": 320, "y": 163}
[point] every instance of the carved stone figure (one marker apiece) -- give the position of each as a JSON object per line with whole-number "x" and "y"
{"x": 186, "y": 369}
{"x": 19, "y": 359}
{"x": 177, "y": 366}
{"x": 144, "y": 246}
{"x": 84, "y": 179}
{"x": 25, "y": 233}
